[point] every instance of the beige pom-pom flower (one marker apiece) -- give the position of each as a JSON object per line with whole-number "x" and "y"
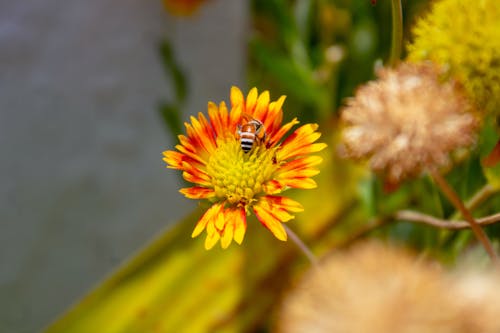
{"x": 378, "y": 289}
{"x": 408, "y": 121}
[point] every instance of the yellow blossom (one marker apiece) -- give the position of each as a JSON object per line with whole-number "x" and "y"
{"x": 464, "y": 37}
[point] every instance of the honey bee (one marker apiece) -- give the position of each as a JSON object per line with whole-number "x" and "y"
{"x": 252, "y": 130}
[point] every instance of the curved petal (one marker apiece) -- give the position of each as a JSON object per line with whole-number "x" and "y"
{"x": 205, "y": 218}
{"x": 193, "y": 156}
{"x": 251, "y": 101}
{"x": 202, "y": 132}
{"x": 186, "y": 143}
{"x": 236, "y": 97}
{"x": 261, "y": 108}
{"x": 299, "y": 168}
{"x": 270, "y": 221}
{"x": 240, "y": 225}
{"x": 300, "y": 142}
{"x": 274, "y": 117}
{"x": 234, "y": 118}
{"x": 213, "y": 236}
{"x": 219, "y": 118}
{"x": 276, "y": 137}
{"x": 284, "y": 203}
{"x": 173, "y": 159}
{"x": 197, "y": 176}
{"x": 304, "y": 183}
{"x": 273, "y": 186}
{"x": 197, "y": 192}
{"x": 227, "y": 235}
{"x": 224, "y": 224}
{"x": 301, "y": 163}
{"x": 271, "y": 211}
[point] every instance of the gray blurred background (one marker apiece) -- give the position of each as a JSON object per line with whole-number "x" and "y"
{"x": 83, "y": 185}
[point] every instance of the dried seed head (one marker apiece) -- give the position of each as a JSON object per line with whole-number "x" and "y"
{"x": 378, "y": 289}
{"x": 407, "y": 121}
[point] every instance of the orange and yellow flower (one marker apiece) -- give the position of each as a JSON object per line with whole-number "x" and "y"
{"x": 237, "y": 182}
{"x": 182, "y": 7}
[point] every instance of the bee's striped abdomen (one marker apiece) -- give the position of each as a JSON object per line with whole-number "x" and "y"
{"x": 246, "y": 140}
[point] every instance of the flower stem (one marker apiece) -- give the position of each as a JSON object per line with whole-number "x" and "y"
{"x": 459, "y": 205}
{"x": 397, "y": 32}
{"x": 418, "y": 217}
{"x": 479, "y": 197}
{"x": 301, "y": 245}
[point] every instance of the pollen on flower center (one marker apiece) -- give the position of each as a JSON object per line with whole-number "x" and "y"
{"x": 238, "y": 176}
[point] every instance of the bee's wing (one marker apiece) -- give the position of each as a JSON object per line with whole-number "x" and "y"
{"x": 246, "y": 117}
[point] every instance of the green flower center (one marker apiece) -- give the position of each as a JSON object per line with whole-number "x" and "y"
{"x": 238, "y": 176}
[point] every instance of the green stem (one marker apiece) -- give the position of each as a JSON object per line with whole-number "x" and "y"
{"x": 397, "y": 33}
{"x": 459, "y": 205}
{"x": 301, "y": 245}
{"x": 479, "y": 197}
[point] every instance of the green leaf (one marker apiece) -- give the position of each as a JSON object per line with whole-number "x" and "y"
{"x": 171, "y": 116}
{"x": 282, "y": 17}
{"x": 173, "y": 71}
{"x": 174, "y": 285}
{"x": 294, "y": 78}
{"x": 488, "y": 141}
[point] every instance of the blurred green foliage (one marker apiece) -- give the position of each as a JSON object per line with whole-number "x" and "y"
{"x": 171, "y": 111}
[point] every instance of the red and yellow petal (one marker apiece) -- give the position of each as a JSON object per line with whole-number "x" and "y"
{"x": 219, "y": 118}
{"x": 284, "y": 203}
{"x": 227, "y": 236}
{"x": 197, "y": 176}
{"x": 197, "y": 192}
{"x": 236, "y": 97}
{"x": 173, "y": 159}
{"x": 300, "y": 142}
{"x": 213, "y": 236}
{"x": 272, "y": 122}
{"x": 224, "y": 224}
{"x": 202, "y": 133}
{"x": 234, "y": 118}
{"x": 303, "y": 183}
{"x": 302, "y": 163}
{"x": 265, "y": 215}
{"x": 276, "y": 137}
{"x": 262, "y": 106}
{"x": 194, "y": 156}
{"x": 299, "y": 168}
{"x": 207, "y": 217}
{"x": 271, "y": 211}
{"x": 251, "y": 101}
{"x": 240, "y": 225}
{"x": 273, "y": 186}
{"x": 186, "y": 143}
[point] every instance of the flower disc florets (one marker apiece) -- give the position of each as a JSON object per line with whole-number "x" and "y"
{"x": 407, "y": 122}
{"x": 237, "y": 182}
{"x": 239, "y": 176}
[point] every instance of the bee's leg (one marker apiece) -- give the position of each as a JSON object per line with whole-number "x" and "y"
{"x": 238, "y": 130}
